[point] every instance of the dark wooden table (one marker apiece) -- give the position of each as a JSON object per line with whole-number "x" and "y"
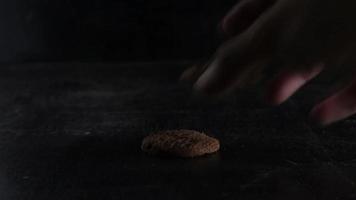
{"x": 73, "y": 131}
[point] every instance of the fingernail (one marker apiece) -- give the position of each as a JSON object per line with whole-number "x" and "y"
{"x": 221, "y": 31}
{"x": 315, "y": 116}
{"x": 271, "y": 99}
{"x": 203, "y": 84}
{"x": 223, "y": 24}
{"x": 189, "y": 74}
{"x": 226, "y": 26}
{"x": 270, "y": 96}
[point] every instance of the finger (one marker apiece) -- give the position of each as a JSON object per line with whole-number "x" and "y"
{"x": 190, "y": 74}
{"x": 243, "y": 15}
{"x": 339, "y": 106}
{"x": 288, "y": 82}
{"x": 238, "y": 57}
{"x": 217, "y": 80}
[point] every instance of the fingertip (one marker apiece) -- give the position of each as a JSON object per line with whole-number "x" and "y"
{"x": 188, "y": 74}
{"x": 287, "y": 83}
{"x": 225, "y": 25}
{"x": 232, "y": 25}
{"x": 203, "y": 83}
{"x": 273, "y": 95}
{"x": 213, "y": 80}
{"x": 243, "y": 15}
{"x": 271, "y": 98}
{"x": 318, "y": 116}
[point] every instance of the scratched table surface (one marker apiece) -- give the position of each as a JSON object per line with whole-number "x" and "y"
{"x": 74, "y": 130}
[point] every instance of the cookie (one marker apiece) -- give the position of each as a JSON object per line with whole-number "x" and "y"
{"x": 182, "y": 143}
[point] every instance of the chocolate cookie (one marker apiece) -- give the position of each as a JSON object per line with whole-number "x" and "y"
{"x": 183, "y": 143}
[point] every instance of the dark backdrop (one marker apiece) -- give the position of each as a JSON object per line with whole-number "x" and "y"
{"x": 57, "y": 30}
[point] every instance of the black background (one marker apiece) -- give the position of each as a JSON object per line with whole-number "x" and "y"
{"x": 109, "y": 30}
{"x": 72, "y": 123}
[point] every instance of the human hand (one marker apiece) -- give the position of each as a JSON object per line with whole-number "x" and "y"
{"x": 300, "y": 38}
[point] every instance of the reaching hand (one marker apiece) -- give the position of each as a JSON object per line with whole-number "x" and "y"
{"x": 300, "y": 38}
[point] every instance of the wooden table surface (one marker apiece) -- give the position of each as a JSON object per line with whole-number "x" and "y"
{"x": 73, "y": 131}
